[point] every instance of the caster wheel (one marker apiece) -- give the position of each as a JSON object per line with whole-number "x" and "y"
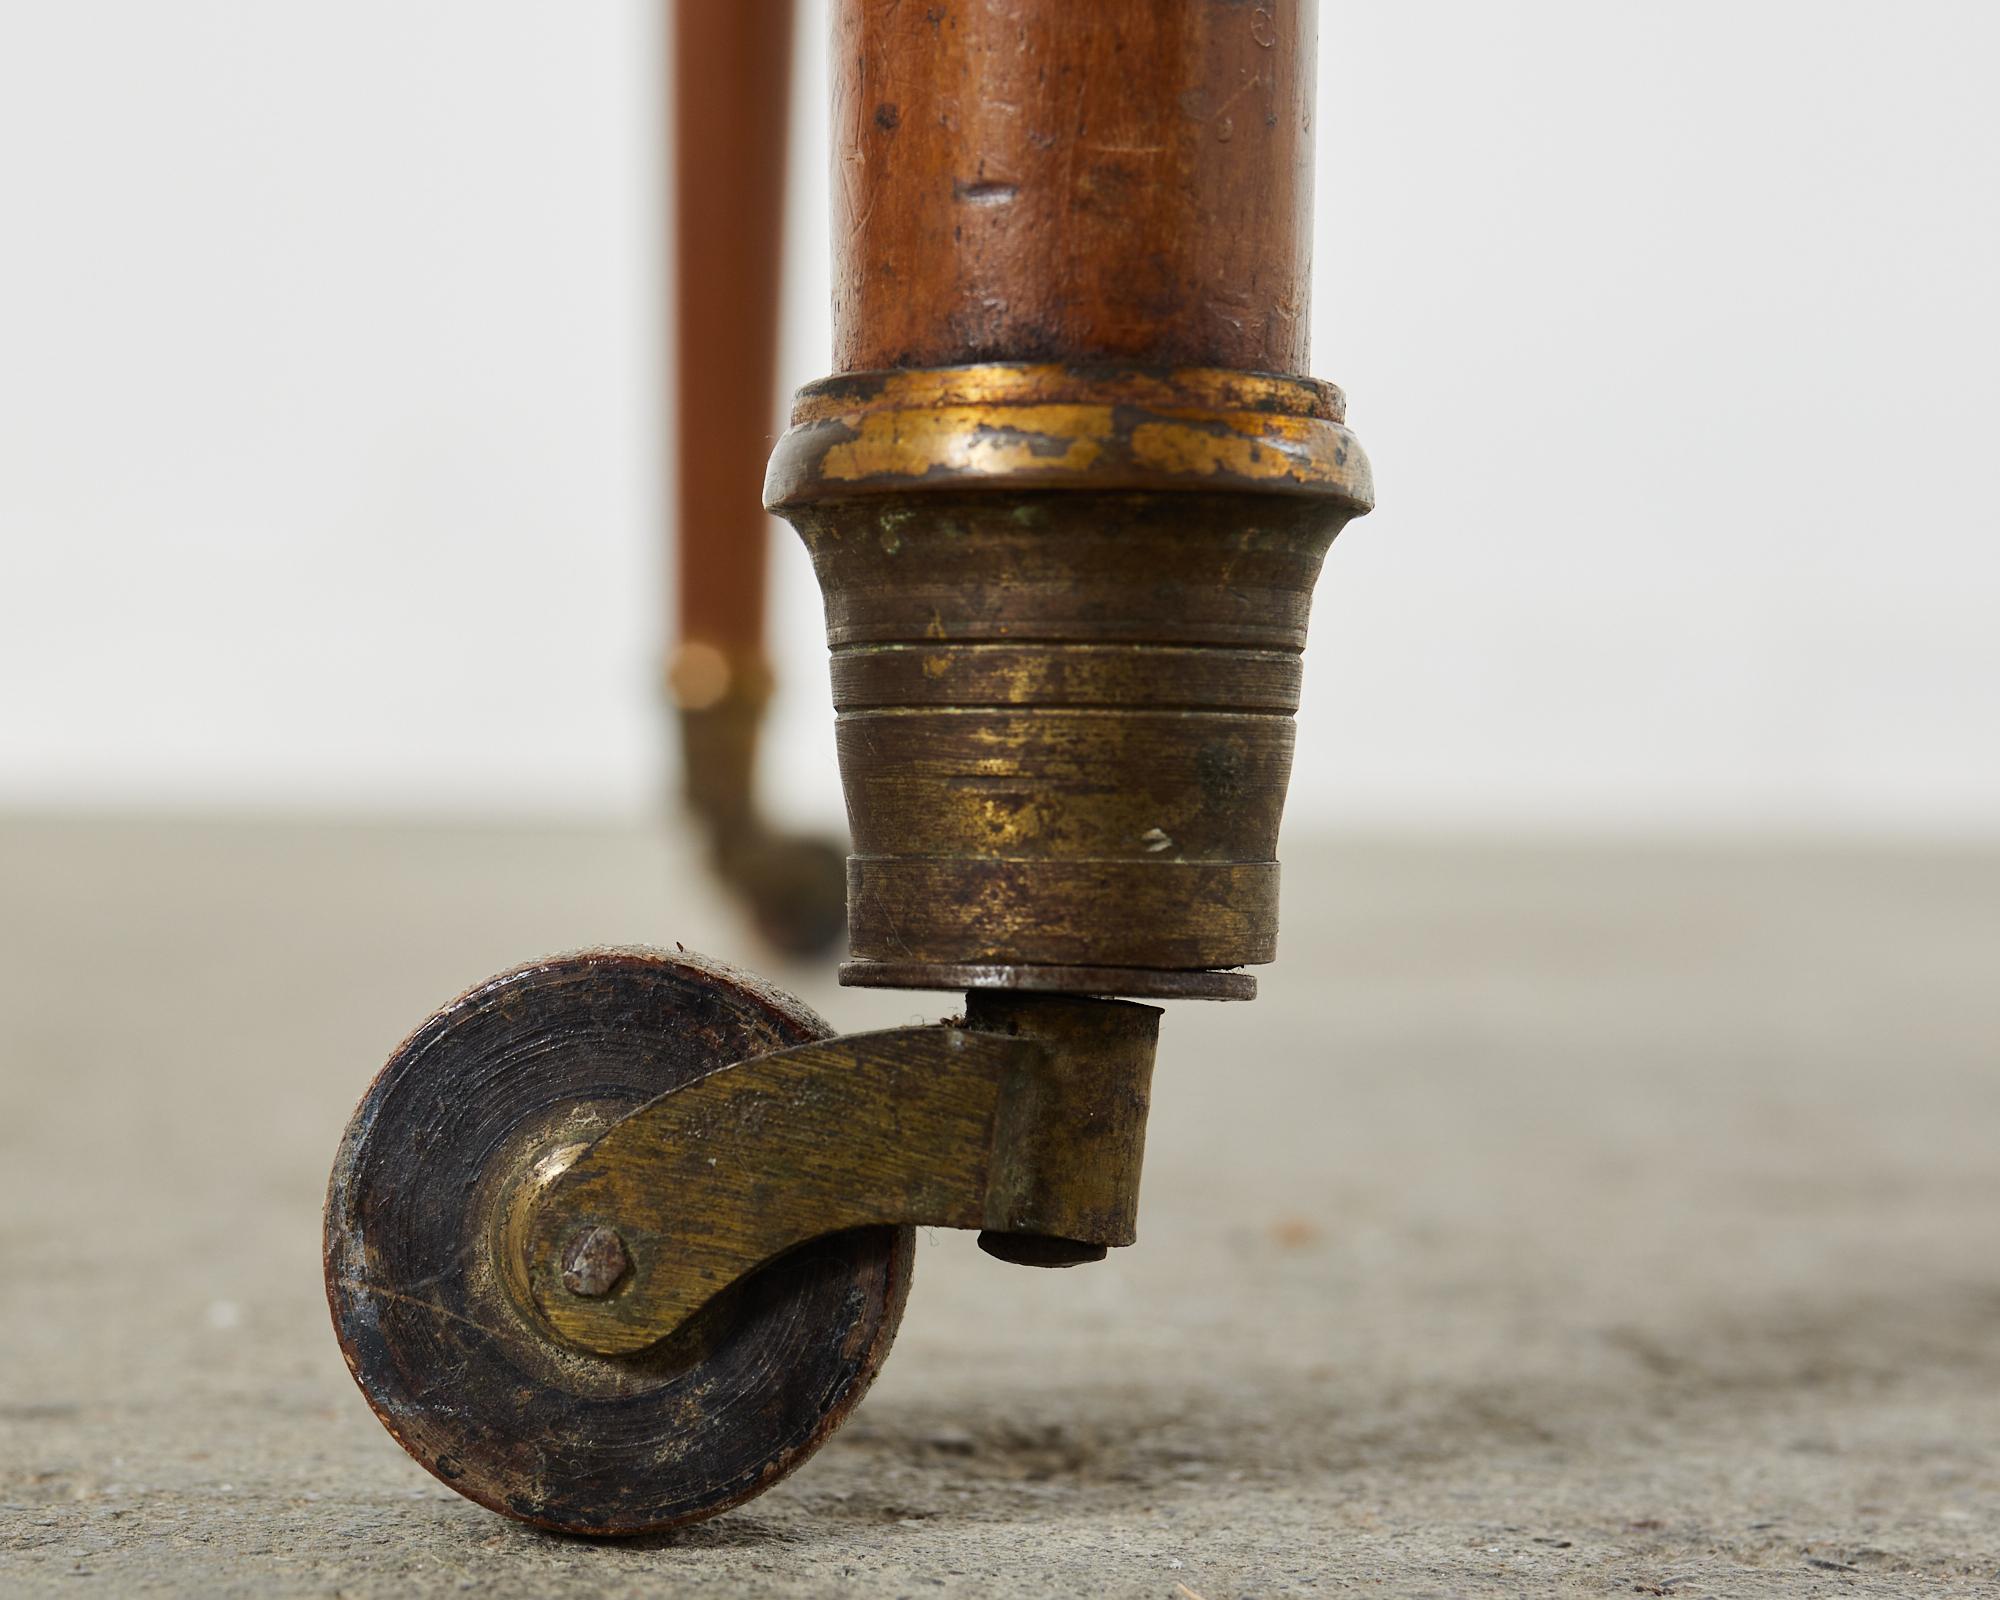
{"x": 490, "y": 1099}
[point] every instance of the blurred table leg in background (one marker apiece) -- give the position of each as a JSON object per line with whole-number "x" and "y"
{"x": 731, "y": 91}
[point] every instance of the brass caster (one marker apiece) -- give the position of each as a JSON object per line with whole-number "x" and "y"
{"x": 617, "y": 1239}
{"x": 475, "y": 1115}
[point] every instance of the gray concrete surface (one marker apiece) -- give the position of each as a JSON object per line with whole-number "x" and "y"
{"x": 1561, "y": 1221}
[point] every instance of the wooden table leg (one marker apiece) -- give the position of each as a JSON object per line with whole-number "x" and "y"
{"x": 730, "y": 96}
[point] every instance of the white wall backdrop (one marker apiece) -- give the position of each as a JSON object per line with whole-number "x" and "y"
{"x": 330, "y": 412}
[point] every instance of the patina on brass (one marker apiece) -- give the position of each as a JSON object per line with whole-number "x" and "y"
{"x": 1026, "y": 1121}
{"x": 1066, "y": 606}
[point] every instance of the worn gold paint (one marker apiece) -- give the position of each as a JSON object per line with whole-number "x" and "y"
{"x": 1049, "y": 427}
{"x": 1262, "y": 452}
{"x": 1205, "y": 389}
{"x": 915, "y": 444}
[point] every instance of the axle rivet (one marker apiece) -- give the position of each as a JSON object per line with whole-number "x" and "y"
{"x": 593, "y": 1261}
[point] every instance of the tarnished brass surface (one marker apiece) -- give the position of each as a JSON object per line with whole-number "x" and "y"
{"x": 1071, "y": 1138}
{"x": 1027, "y": 1120}
{"x": 1176, "y": 914}
{"x": 1139, "y": 676}
{"x": 1099, "y": 784}
{"x": 1148, "y": 983}
{"x": 1066, "y": 606}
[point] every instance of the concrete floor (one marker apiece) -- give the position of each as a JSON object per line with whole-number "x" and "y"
{"x": 1560, "y": 1221}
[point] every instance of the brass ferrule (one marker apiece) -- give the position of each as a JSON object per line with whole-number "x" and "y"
{"x": 1066, "y": 607}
